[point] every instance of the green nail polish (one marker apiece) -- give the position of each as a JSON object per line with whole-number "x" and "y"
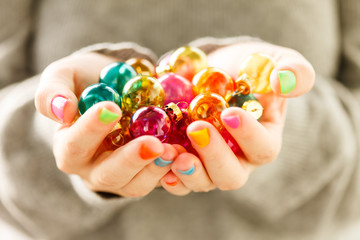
{"x": 287, "y": 81}
{"x": 106, "y": 116}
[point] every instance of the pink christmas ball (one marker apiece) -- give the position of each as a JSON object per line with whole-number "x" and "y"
{"x": 177, "y": 88}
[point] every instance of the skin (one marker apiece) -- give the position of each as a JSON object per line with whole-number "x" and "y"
{"x": 78, "y": 145}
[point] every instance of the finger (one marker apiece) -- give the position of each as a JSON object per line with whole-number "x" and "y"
{"x": 148, "y": 178}
{"x": 190, "y": 170}
{"x": 221, "y": 164}
{"x": 75, "y": 145}
{"x": 62, "y": 81}
{"x": 293, "y": 75}
{"x": 179, "y": 148}
{"x": 171, "y": 183}
{"x": 259, "y": 143}
{"x": 297, "y": 74}
{"x": 113, "y": 172}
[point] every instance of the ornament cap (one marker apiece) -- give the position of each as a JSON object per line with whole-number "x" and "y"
{"x": 242, "y": 84}
{"x": 173, "y": 112}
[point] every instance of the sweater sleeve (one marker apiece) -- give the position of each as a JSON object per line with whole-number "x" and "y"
{"x": 349, "y": 72}
{"x": 28, "y": 172}
{"x": 15, "y": 32}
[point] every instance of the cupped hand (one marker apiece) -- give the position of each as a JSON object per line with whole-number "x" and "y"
{"x": 132, "y": 170}
{"x": 260, "y": 141}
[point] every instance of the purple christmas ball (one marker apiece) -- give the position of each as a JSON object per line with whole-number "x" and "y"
{"x": 152, "y": 121}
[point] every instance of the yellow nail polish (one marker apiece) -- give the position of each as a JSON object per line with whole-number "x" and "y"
{"x": 201, "y": 137}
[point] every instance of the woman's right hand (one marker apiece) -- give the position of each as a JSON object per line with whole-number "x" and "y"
{"x": 130, "y": 170}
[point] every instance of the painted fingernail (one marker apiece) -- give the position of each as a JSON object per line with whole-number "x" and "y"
{"x": 287, "y": 81}
{"x": 106, "y": 116}
{"x": 57, "y": 107}
{"x": 171, "y": 179}
{"x": 201, "y": 137}
{"x": 187, "y": 172}
{"x": 231, "y": 121}
{"x": 172, "y": 184}
{"x": 161, "y": 162}
{"x": 146, "y": 153}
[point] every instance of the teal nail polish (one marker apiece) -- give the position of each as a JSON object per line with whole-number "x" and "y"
{"x": 287, "y": 81}
{"x": 161, "y": 162}
{"x": 188, "y": 172}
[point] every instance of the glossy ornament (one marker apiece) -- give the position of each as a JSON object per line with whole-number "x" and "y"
{"x": 178, "y": 114}
{"x": 247, "y": 102}
{"x": 116, "y": 75}
{"x": 257, "y": 69}
{"x": 208, "y": 107}
{"x": 142, "y": 66}
{"x": 95, "y": 93}
{"x": 187, "y": 61}
{"x": 177, "y": 88}
{"x": 120, "y": 135}
{"x": 242, "y": 85}
{"x": 142, "y": 91}
{"x": 152, "y": 121}
{"x": 214, "y": 80}
{"x": 163, "y": 65}
{"x": 174, "y": 112}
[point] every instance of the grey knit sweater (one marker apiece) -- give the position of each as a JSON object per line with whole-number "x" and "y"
{"x": 312, "y": 191}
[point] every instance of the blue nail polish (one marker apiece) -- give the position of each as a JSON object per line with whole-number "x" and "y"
{"x": 161, "y": 162}
{"x": 188, "y": 172}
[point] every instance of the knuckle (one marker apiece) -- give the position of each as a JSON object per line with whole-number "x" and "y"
{"x": 135, "y": 193}
{"x": 294, "y": 52}
{"x": 140, "y": 193}
{"x": 181, "y": 193}
{"x": 203, "y": 189}
{"x": 267, "y": 156}
{"x": 65, "y": 167}
{"x": 233, "y": 185}
{"x": 221, "y": 166}
{"x": 63, "y": 163}
{"x": 106, "y": 181}
{"x": 72, "y": 149}
{"x": 286, "y": 51}
{"x": 39, "y": 95}
{"x": 59, "y": 67}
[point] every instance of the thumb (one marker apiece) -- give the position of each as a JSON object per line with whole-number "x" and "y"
{"x": 292, "y": 76}
{"x": 62, "y": 81}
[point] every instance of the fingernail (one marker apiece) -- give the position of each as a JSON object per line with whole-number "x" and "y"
{"x": 107, "y": 116}
{"x": 146, "y": 153}
{"x": 57, "y": 107}
{"x": 161, "y": 162}
{"x": 231, "y": 121}
{"x": 187, "y": 172}
{"x": 201, "y": 137}
{"x": 287, "y": 81}
{"x": 172, "y": 184}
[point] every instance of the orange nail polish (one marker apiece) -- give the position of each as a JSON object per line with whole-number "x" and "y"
{"x": 172, "y": 184}
{"x": 146, "y": 153}
{"x": 201, "y": 137}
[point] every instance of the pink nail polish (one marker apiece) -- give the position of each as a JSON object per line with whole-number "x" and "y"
{"x": 231, "y": 121}
{"x": 57, "y": 107}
